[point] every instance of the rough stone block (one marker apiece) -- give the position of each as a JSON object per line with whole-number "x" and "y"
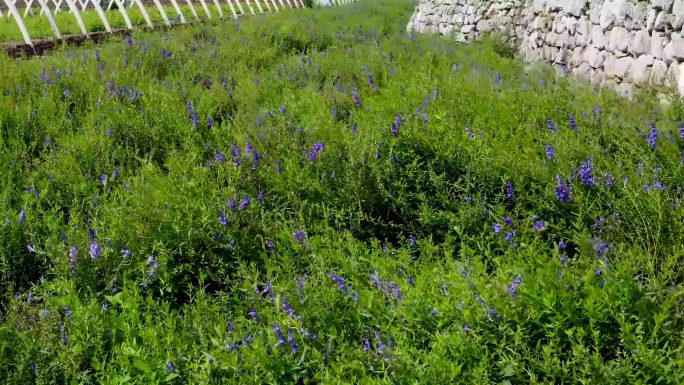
{"x": 619, "y": 39}
{"x": 614, "y": 13}
{"x": 658, "y": 41}
{"x": 658, "y": 72}
{"x": 640, "y": 71}
{"x": 594, "y": 57}
{"x": 598, "y": 38}
{"x": 641, "y": 43}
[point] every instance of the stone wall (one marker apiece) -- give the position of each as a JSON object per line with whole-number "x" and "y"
{"x": 621, "y": 44}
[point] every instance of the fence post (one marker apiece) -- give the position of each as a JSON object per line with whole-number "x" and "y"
{"x": 178, "y": 10}
{"x": 192, "y": 9}
{"x": 77, "y": 15}
{"x": 242, "y": 11}
{"x": 101, "y": 13}
{"x": 48, "y": 14}
{"x": 232, "y": 9}
{"x": 218, "y": 8}
{"x": 250, "y": 7}
{"x": 144, "y": 13}
{"x": 122, "y": 9}
{"x": 13, "y": 11}
{"x": 206, "y": 9}
{"x": 259, "y": 6}
{"x": 163, "y": 13}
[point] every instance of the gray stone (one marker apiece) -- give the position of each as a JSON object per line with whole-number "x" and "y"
{"x": 640, "y": 71}
{"x": 678, "y": 12}
{"x": 598, "y": 38}
{"x": 483, "y": 25}
{"x": 594, "y": 57}
{"x": 580, "y": 40}
{"x": 658, "y": 72}
{"x": 552, "y": 38}
{"x": 619, "y": 39}
{"x": 641, "y": 43}
{"x": 577, "y": 57}
{"x": 466, "y": 29}
{"x": 660, "y": 22}
{"x": 639, "y": 15}
{"x": 583, "y": 26}
{"x": 650, "y": 19}
{"x": 619, "y": 67}
{"x": 679, "y": 80}
{"x": 662, "y": 5}
{"x": 674, "y": 50}
{"x": 614, "y": 13}
{"x": 583, "y": 71}
{"x": 658, "y": 41}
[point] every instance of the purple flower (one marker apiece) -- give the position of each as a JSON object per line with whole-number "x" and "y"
{"x": 231, "y": 204}
{"x": 513, "y": 289}
{"x": 357, "y": 101}
{"x": 169, "y": 366}
{"x": 253, "y": 313}
{"x": 561, "y": 245}
{"x": 95, "y": 249}
{"x": 509, "y": 190}
{"x": 508, "y": 221}
{"x": 318, "y": 147}
{"x": 282, "y": 109}
{"x": 299, "y": 236}
{"x": 563, "y": 260}
{"x": 288, "y": 308}
{"x": 412, "y": 240}
{"x": 587, "y": 173}
{"x": 22, "y": 215}
{"x": 279, "y": 334}
{"x": 219, "y": 157}
{"x": 609, "y": 181}
{"x": 469, "y": 132}
{"x": 125, "y": 253}
{"x": 652, "y": 137}
{"x": 550, "y": 153}
{"x": 291, "y": 340}
{"x": 496, "y": 229}
{"x": 372, "y": 82}
{"x": 539, "y": 226}
{"x": 573, "y": 124}
{"x": 563, "y": 192}
{"x": 67, "y": 312}
{"x": 300, "y": 288}
{"x": 223, "y": 220}
{"x": 244, "y": 203}
{"x": 550, "y": 125}
{"x": 341, "y": 286}
{"x": 270, "y": 245}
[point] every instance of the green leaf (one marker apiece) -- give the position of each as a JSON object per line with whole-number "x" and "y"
{"x": 142, "y": 365}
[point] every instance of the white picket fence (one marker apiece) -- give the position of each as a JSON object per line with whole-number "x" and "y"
{"x": 76, "y": 7}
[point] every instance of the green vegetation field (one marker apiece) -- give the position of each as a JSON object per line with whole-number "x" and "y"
{"x": 317, "y": 197}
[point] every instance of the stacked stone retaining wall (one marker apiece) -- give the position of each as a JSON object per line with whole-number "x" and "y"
{"x": 621, "y": 44}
